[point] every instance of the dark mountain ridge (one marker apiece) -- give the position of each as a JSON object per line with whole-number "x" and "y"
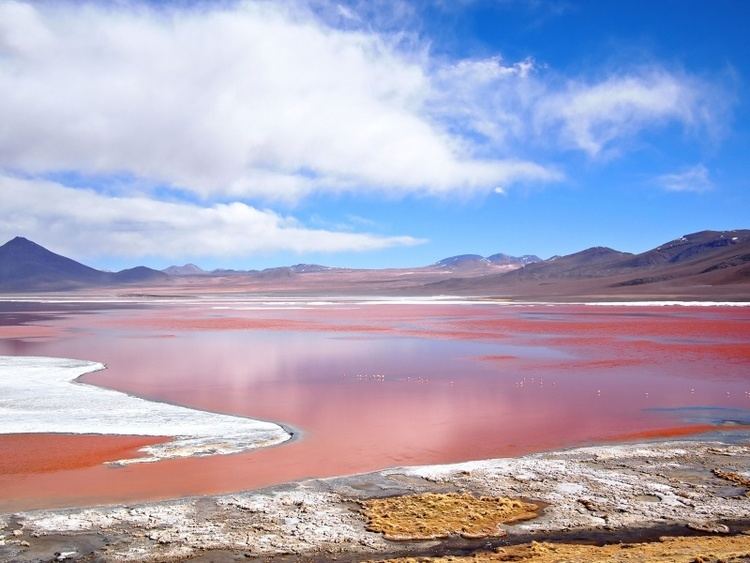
{"x": 27, "y": 266}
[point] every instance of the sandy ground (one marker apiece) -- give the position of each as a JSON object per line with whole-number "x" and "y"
{"x": 604, "y": 494}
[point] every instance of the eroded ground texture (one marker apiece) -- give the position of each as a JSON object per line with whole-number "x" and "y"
{"x": 630, "y": 493}
{"x": 705, "y": 549}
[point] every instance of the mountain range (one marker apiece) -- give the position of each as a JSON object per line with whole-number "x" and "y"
{"x": 702, "y": 265}
{"x": 27, "y": 266}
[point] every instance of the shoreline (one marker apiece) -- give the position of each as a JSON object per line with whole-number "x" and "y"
{"x": 44, "y": 396}
{"x": 301, "y": 299}
{"x": 606, "y": 493}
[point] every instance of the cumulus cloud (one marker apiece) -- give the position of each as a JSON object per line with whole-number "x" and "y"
{"x": 271, "y": 100}
{"x": 253, "y": 99}
{"x": 247, "y": 101}
{"x": 693, "y": 179}
{"x": 85, "y": 223}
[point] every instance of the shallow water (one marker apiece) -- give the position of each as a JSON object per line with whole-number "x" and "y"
{"x": 379, "y": 385}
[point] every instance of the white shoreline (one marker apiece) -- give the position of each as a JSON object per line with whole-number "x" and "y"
{"x": 40, "y": 395}
{"x": 262, "y": 302}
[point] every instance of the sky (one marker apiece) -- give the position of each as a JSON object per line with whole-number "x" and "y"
{"x": 369, "y": 133}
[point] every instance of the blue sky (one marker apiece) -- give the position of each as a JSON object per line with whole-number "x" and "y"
{"x": 369, "y": 134}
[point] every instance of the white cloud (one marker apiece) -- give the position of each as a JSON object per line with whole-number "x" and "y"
{"x": 594, "y": 116}
{"x": 82, "y": 222}
{"x": 487, "y": 97}
{"x": 694, "y": 179}
{"x": 253, "y": 99}
{"x": 279, "y": 100}
{"x": 524, "y": 105}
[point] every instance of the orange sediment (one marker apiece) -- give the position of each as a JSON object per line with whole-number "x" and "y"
{"x": 38, "y": 453}
{"x": 669, "y": 432}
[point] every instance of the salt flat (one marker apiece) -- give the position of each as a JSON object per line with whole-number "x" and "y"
{"x": 40, "y": 395}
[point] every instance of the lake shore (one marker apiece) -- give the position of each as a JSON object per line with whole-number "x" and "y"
{"x": 626, "y": 492}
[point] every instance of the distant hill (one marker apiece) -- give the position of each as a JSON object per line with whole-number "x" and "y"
{"x": 462, "y": 261}
{"x": 281, "y": 271}
{"x": 502, "y": 262}
{"x": 27, "y": 266}
{"x": 186, "y": 270}
{"x": 309, "y": 268}
{"x": 706, "y": 262}
{"x": 586, "y": 263}
{"x": 139, "y": 274}
{"x": 689, "y": 247}
{"x": 501, "y": 258}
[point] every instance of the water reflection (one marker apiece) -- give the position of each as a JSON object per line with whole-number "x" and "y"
{"x": 371, "y": 399}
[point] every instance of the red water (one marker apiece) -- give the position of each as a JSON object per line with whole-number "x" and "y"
{"x": 377, "y": 386}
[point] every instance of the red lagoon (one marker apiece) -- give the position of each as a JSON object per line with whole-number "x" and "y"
{"x": 369, "y": 386}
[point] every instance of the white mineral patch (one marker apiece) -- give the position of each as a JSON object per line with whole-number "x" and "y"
{"x": 668, "y": 303}
{"x": 40, "y": 395}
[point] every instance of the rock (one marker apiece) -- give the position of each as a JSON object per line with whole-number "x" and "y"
{"x": 711, "y": 527}
{"x": 64, "y": 555}
{"x": 18, "y": 533}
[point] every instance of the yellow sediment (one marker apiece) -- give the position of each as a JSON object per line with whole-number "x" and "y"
{"x": 681, "y": 549}
{"x": 439, "y": 515}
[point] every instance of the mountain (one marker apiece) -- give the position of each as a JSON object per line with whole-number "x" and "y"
{"x": 269, "y": 273}
{"x": 139, "y": 274}
{"x": 309, "y": 268}
{"x": 713, "y": 265}
{"x": 501, "y": 259}
{"x": 462, "y": 261}
{"x": 586, "y": 263}
{"x": 689, "y": 247}
{"x": 502, "y": 262}
{"x": 27, "y": 266}
{"x": 706, "y": 263}
{"x": 186, "y": 270}
{"x": 709, "y": 257}
{"x": 287, "y": 272}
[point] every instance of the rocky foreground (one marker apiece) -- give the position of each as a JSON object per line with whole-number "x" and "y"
{"x": 606, "y": 495}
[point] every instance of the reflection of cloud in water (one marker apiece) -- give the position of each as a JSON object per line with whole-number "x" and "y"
{"x": 571, "y": 382}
